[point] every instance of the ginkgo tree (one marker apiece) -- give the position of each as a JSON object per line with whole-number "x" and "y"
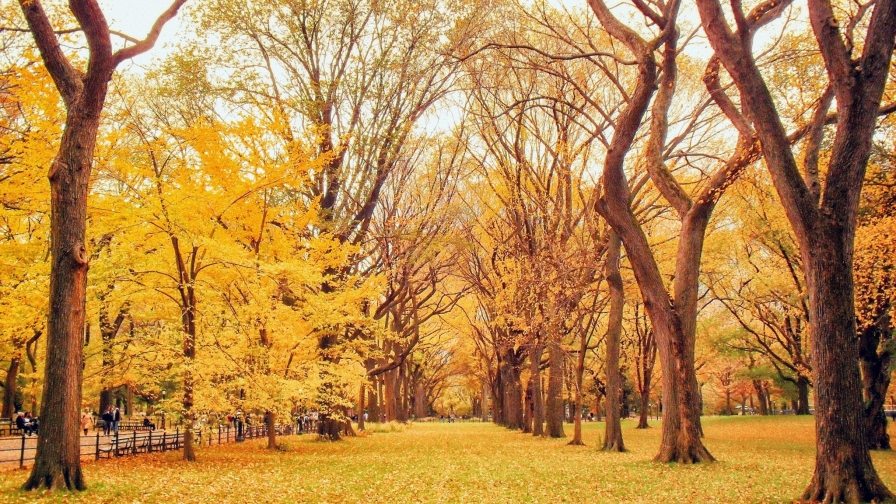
{"x": 29, "y": 123}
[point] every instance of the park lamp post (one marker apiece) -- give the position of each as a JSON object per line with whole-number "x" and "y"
{"x": 163, "y": 410}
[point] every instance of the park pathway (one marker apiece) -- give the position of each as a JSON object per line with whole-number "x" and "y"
{"x": 12, "y": 455}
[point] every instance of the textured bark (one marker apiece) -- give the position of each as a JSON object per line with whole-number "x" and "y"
{"x": 645, "y": 362}
{"x": 613, "y": 432}
{"x": 57, "y": 464}
{"x": 876, "y": 380}
{"x": 535, "y": 388}
{"x": 390, "y": 405}
{"x": 761, "y": 396}
{"x": 189, "y": 450}
{"x": 362, "y": 396}
{"x": 498, "y": 396}
{"x": 57, "y": 461}
{"x": 554, "y": 401}
{"x": 420, "y": 400}
{"x": 270, "y": 419}
{"x": 681, "y": 429}
{"x": 645, "y": 410}
{"x": 802, "y": 395}
{"x": 401, "y": 411}
{"x": 825, "y": 226}
{"x": 373, "y": 402}
{"x": 843, "y": 466}
{"x": 512, "y": 405}
{"x": 9, "y": 386}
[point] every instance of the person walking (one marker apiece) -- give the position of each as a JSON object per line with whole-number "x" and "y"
{"x": 86, "y": 420}
{"x": 107, "y": 421}
{"x": 116, "y": 420}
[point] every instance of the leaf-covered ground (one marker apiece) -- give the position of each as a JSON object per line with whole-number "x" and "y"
{"x": 762, "y": 459}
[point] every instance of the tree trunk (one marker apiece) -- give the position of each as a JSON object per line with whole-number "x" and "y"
{"x": 270, "y": 419}
{"x": 761, "y": 397}
{"x": 362, "y": 395}
{"x": 535, "y": 387}
{"x": 875, "y": 381}
{"x": 189, "y": 449}
{"x": 528, "y": 408}
{"x": 681, "y": 428}
{"x": 824, "y": 226}
{"x": 645, "y": 409}
{"x": 9, "y": 386}
{"x": 374, "y": 402}
{"x": 58, "y": 462}
{"x": 802, "y": 390}
{"x": 420, "y": 400}
{"x": 554, "y": 404}
{"x": 513, "y": 394}
{"x": 401, "y": 409}
{"x": 189, "y": 453}
{"x": 498, "y": 395}
{"x": 484, "y": 411}
{"x": 613, "y": 432}
{"x": 391, "y": 406}
{"x": 843, "y": 467}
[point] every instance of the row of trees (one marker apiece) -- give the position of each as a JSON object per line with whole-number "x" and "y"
{"x": 341, "y": 206}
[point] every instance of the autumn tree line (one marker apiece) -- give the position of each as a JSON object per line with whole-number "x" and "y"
{"x": 522, "y": 211}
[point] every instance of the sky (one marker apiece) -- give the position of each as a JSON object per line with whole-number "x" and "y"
{"x": 135, "y": 18}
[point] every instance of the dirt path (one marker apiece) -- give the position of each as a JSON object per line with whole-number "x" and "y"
{"x": 11, "y": 449}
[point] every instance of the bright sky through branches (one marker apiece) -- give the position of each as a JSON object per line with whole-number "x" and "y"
{"x": 135, "y": 18}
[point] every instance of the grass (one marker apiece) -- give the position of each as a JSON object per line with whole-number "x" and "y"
{"x": 761, "y": 459}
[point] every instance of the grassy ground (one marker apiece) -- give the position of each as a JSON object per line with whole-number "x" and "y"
{"x": 761, "y": 459}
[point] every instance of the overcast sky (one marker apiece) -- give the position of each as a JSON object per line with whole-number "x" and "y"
{"x": 135, "y": 18}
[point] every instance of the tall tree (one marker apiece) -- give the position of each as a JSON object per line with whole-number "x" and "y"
{"x": 822, "y": 211}
{"x": 57, "y": 463}
{"x": 613, "y": 434}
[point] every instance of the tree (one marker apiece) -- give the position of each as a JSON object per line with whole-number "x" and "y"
{"x": 357, "y": 77}
{"x": 29, "y": 122}
{"x": 58, "y": 461}
{"x": 613, "y": 435}
{"x": 875, "y": 277}
{"x": 772, "y": 309}
{"x": 645, "y": 350}
{"x": 823, "y": 215}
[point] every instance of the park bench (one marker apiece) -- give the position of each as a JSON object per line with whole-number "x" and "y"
{"x": 151, "y": 443}
{"x": 126, "y": 425}
{"x": 8, "y": 428}
{"x": 119, "y": 446}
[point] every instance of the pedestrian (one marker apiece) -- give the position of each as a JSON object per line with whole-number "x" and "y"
{"x": 107, "y": 421}
{"x": 116, "y": 420}
{"x": 86, "y": 420}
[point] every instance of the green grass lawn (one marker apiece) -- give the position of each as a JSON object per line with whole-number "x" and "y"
{"x": 761, "y": 459}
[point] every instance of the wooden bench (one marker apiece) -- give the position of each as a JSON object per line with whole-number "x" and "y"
{"x": 117, "y": 447}
{"x": 125, "y": 425}
{"x": 150, "y": 443}
{"x": 8, "y": 428}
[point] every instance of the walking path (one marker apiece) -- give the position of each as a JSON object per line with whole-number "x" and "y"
{"x": 11, "y": 451}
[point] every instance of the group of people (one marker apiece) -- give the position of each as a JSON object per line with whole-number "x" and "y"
{"x": 27, "y": 423}
{"x": 111, "y": 418}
